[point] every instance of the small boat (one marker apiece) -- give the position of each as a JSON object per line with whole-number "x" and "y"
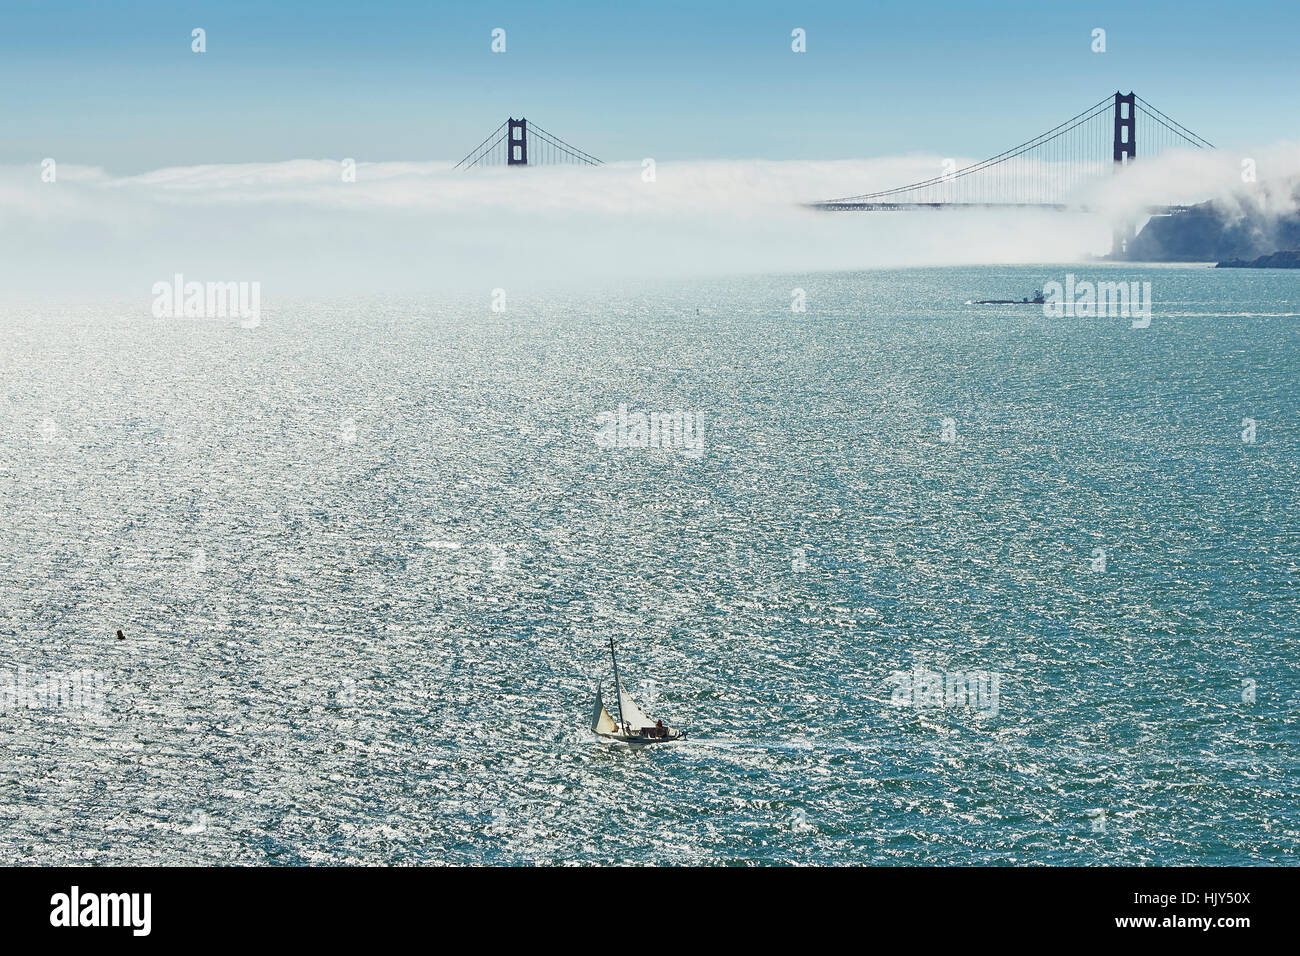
{"x": 633, "y": 727}
{"x": 1036, "y": 300}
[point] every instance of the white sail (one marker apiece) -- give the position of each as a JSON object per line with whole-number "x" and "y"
{"x": 601, "y": 722}
{"x": 632, "y": 715}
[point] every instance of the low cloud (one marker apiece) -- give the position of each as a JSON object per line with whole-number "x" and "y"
{"x": 299, "y": 228}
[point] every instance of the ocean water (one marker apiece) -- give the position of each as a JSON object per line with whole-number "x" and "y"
{"x": 366, "y": 557}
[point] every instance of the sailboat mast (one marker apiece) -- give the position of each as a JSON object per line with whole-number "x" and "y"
{"x": 618, "y": 688}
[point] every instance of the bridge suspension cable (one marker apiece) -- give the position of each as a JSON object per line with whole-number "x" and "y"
{"x": 521, "y": 143}
{"x": 572, "y": 153}
{"x": 1047, "y": 170}
{"x": 476, "y": 154}
{"x": 1173, "y": 125}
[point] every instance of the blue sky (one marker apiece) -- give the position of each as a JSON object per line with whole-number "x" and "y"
{"x": 115, "y": 84}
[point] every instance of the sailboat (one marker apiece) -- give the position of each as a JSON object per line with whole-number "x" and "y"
{"x": 633, "y": 727}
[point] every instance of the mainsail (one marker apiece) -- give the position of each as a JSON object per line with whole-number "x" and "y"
{"x": 631, "y": 713}
{"x": 601, "y": 722}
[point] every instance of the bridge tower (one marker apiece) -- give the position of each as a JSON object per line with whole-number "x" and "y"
{"x": 517, "y": 142}
{"x": 508, "y": 143}
{"x": 1125, "y": 153}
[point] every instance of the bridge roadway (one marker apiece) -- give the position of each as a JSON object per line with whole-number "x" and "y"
{"x": 833, "y": 206}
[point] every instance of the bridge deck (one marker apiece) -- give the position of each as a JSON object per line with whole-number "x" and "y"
{"x": 907, "y": 206}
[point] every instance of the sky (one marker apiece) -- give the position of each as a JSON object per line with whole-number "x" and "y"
{"x": 226, "y": 165}
{"x": 115, "y": 85}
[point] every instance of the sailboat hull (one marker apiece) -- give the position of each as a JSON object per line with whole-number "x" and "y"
{"x": 639, "y": 741}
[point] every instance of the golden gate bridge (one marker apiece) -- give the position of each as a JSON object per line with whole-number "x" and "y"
{"x": 509, "y": 145}
{"x": 1053, "y": 170}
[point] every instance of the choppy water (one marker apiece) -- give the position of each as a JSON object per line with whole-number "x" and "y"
{"x": 372, "y": 641}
